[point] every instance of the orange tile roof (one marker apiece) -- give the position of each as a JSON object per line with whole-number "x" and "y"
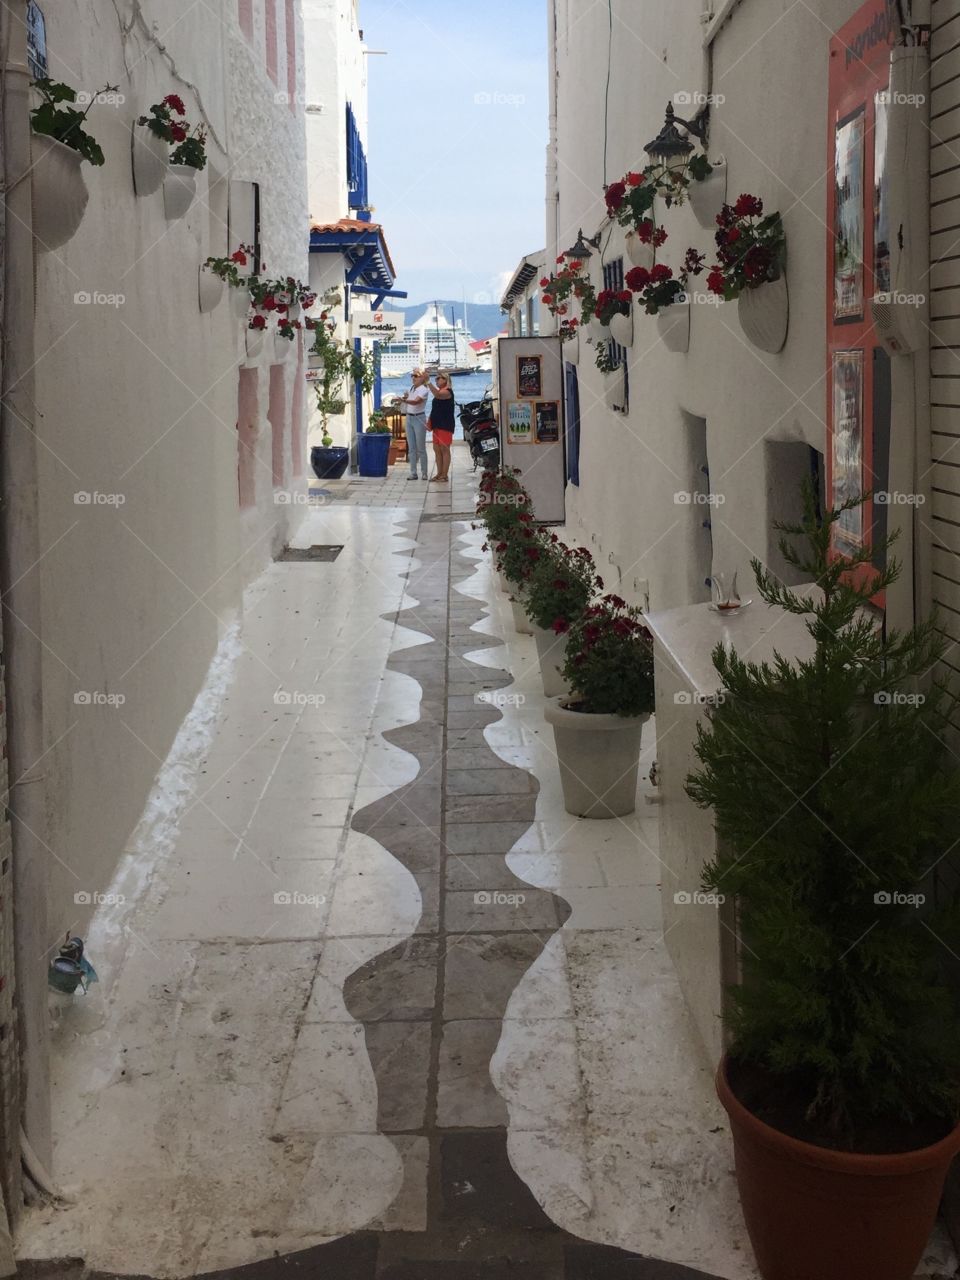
{"x": 355, "y": 224}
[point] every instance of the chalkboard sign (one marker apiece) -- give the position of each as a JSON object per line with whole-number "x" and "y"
{"x": 36, "y": 41}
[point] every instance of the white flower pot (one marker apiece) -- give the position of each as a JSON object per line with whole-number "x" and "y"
{"x": 60, "y": 193}
{"x": 552, "y": 652}
{"x": 521, "y": 623}
{"x": 282, "y": 348}
{"x": 150, "y": 157}
{"x": 179, "y": 189}
{"x": 640, "y": 254}
{"x": 598, "y": 332}
{"x": 209, "y": 289}
{"x": 253, "y": 340}
{"x": 571, "y": 349}
{"x": 673, "y": 324}
{"x": 240, "y": 304}
{"x": 707, "y": 198}
{"x": 599, "y": 757}
{"x": 765, "y": 315}
{"x": 621, "y": 329}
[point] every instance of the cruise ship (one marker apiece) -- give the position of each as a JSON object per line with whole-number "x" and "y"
{"x": 431, "y": 342}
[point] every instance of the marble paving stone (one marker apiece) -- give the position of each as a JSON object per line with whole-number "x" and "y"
{"x": 623, "y": 907}
{"x": 463, "y": 809}
{"x": 482, "y": 970}
{"x": 479, "y": 1186}
{"x": 416, "y": 844}
{"x": 484, "y": 910}
{"x": 483, "y": 837}
{"x": 352, "y": 1178}
{"x": 397, "y": 983}
{"x": 474, "y": 758}
{"x": 473, "y": 871}
{"x": 489, "y": 782}
{"x": 400, "y": 1056}
{"x": 547, "y": 1050}
{"x": 408, "y": 1212}
{"x": 330, "y": 1087}
{"x": 428, "y": 883}
{"x": 466, "y": 1097}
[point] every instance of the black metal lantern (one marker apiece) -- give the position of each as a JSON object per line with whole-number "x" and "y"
{"x": 670, "y": 147}
{"x": 580, "y": 252}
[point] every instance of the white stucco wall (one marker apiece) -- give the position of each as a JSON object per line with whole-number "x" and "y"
{"x": 336, "y": 74}
{"x": 139, "y": 400}
{"x": 770, "y": 65}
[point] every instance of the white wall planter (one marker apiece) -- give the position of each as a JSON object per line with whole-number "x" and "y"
{"x": 621, "y": 329}
{"x": 707, "y": 198}
{"x": 765, "y": 315}
{"x": 281, "y": 348}
{"x": 179, "y": 189}
{"x": 150, "y": 156}
{"x": 209, "y": 289}
{"x": 673, "y": 324}
{"x": 615, "y": 390}
{"x": 571, "y": 349}
{"x": 239, "y": 304}
{"x": 640, "y": 254}
{"x": 598, "y": 332}
{"x": 60, "y": 193}
{"x": 253, "y": 340}
{"x": 599, "y": 758}
{"x": 552, "y": 652}
{"x": 521, "y": 623}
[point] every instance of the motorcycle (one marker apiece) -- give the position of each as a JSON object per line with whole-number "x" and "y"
{"x": 481, "y": 433}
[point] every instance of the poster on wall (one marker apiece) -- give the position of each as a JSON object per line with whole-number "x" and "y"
{"x": 519, "y": 422}
{"x": 881, "y": 198}
{"x": 547, "y": 421}
{"x": 529, "y": 376}
{"x": 847, "y": 448}
{"x": 848, "y": 237}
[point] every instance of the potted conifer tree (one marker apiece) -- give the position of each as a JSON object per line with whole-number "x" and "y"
{"x": 598, "y": 726}
{"x": 834, "y": 797}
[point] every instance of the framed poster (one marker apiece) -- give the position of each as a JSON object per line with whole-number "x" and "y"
{"x": 847, "y": 459}
{"x": 547, "y": 416}
{"x": 529, "y": 376}
{"x": 881, "y": 198}
{"x": 848, "y": 219}
{"x": 519, "y": 422}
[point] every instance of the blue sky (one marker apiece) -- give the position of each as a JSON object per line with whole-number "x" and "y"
{"x": 458, "y": 131}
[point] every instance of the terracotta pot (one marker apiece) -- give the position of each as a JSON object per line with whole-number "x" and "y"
{"x": 621, "y": 329}
{"x": 60, "y": 193}
{"x": 179, "y": 189}
{"x": 552, "y": 652}
{"x": 150, "y": 156}
{"x": 599, "y": 757}
{"x": 765, "y": 315}
{"x": 640, "y": 254}
{"x": 673, "y": 323}
{"x": 812, "y": 1212}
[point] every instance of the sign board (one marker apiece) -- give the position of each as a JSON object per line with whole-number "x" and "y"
{"x": 531, "y": 414}
{"x": 383, "y": 325}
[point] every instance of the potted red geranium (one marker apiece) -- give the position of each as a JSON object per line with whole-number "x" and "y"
{"x": 751, "y": 263}
{"x": 166, "y": 124}
{"x": 663, "y": 294}
{"x": 598, "y": 725}
{"x": 561, "y": 583}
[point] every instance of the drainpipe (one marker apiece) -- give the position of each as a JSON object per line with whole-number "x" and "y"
{"x": 547, "y": 321}
{"x": 20, "y": 583}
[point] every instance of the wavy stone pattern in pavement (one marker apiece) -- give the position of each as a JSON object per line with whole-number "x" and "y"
{"x": 432, "y": 1007}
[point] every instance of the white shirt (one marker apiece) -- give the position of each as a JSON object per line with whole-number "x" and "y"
{"x": 417, "y": 400}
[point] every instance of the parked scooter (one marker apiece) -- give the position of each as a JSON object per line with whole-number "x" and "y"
{"x": 481, "y": 433}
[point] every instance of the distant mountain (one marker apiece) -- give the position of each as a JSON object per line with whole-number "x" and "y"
{"x": 483, "y": 319}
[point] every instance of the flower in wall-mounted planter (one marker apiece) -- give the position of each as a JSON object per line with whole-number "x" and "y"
{"x": 643, "y": 241}
{"x": 59, "y": 145}
{"x": 230, "y": 271}
{"x": 752, "y": 257}
{"x": 569, "y": 334}
{"x": 612, "y": 305}
{"x": 166, "y": 124}
{"x": 621, "y": 328}
{"x": 708, "y": 196}
{"x": 158, "y": 132}
{"x": 598, "y": 725}
{"x": 570, "y": 283}
{"x": 254, "y": 336}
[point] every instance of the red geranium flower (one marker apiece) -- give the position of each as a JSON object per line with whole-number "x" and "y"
{"x": 748, "y": 207}
{"x": 615, "y": 195}
{"x": 635, "y": 179}
{"x": 561, "y": 626}
{"x": 258, "y": 322}
{"x": 661, "y": 273}
{"x": 269, "y": 303}
{"x": 638, "y": 278}
{"x": 239, "y": 257}
{"x": 175, "y": 103}
{"x": 717, "y": 281}
{"x": 178, "y": 133}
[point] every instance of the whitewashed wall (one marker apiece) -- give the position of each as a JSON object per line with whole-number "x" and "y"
{"x": 139, "y": 400}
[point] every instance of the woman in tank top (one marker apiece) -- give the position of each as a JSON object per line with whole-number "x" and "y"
{"x": 442, "y": 424}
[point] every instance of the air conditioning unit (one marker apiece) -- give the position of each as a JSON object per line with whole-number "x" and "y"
{"x": 900, "y": 311}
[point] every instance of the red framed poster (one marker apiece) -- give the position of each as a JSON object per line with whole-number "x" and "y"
{"x": 858, "y": 260}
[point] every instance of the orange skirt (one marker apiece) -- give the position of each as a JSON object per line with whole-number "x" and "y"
{"x": 442, "y": 437}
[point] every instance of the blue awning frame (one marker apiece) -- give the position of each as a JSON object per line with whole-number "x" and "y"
{"x": 365, "y": 253}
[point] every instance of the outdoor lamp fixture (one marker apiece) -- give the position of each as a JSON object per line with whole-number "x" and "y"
{"x": 670, "y": 147}
{"x": 580, "y": 251}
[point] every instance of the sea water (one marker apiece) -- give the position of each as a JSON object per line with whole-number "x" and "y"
{"x": 471, "y": 387}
